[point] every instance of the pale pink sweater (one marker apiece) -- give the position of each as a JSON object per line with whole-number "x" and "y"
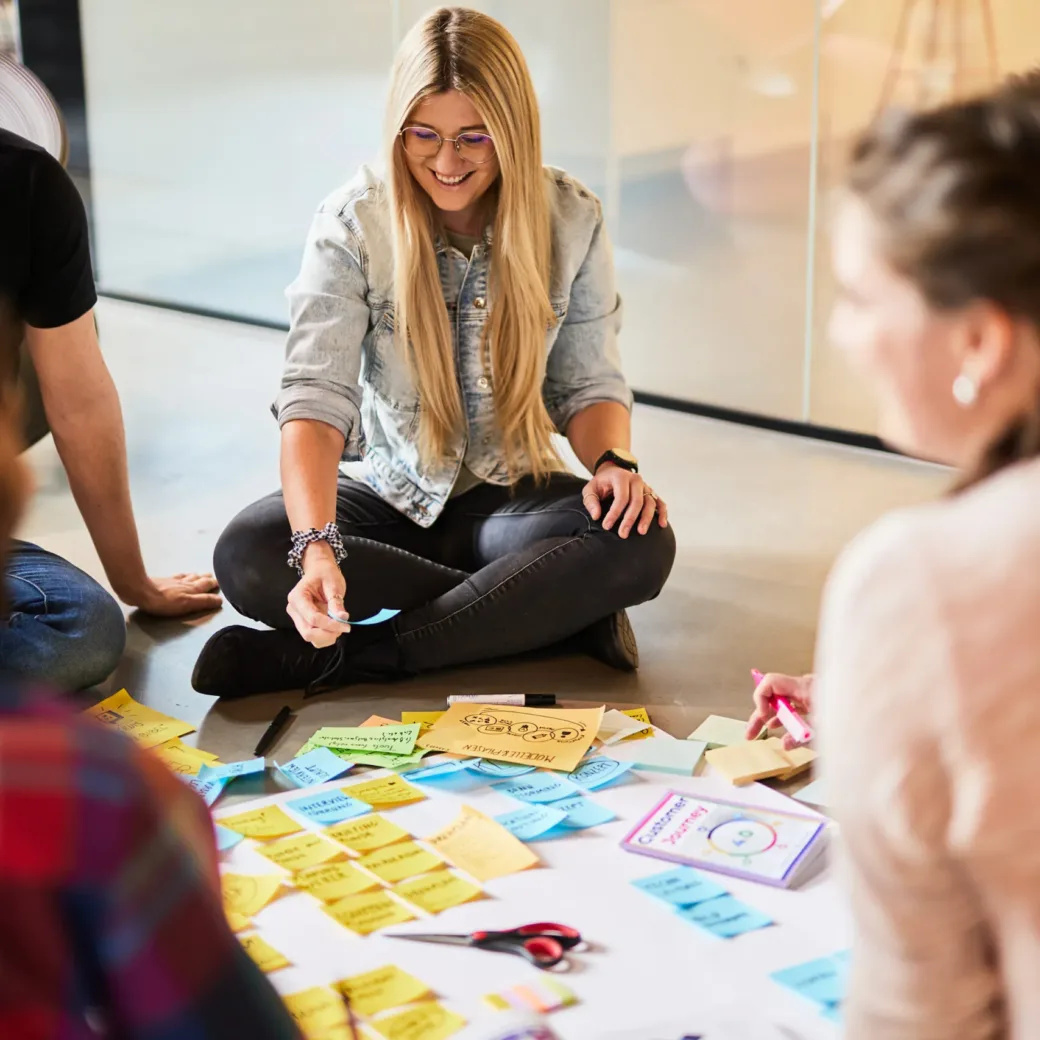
{"x": 928, "y": 689}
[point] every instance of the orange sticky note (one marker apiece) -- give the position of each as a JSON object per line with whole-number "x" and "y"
{"x": 482, "y": 846}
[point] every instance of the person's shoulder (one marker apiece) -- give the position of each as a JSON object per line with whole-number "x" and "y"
{"x": 570, "y": 201}
{"x": 33, "y": 169}
{"x": 361, "y": 202}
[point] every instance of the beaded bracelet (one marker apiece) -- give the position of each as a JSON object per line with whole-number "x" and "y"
{"x": 301, "y": 539}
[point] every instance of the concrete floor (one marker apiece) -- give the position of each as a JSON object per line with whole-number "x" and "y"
{"x": 759, "y": 518}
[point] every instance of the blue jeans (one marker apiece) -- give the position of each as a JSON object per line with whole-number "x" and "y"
{"x": 62, "y": 626}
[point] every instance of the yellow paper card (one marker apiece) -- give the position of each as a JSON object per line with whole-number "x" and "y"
{"x": 555, "y": 738}
{"x": 481, "y": 847}
{"x": 378, "y": 720}
{"x": 800, "y": 758}
{"x": 366, "y": 834}
{"x": 382, "y": 989}
{"x": 267, "y": 958}
{"x": 301, "y": 851}
{"x": 426, "y": 719}
{"x": 387, "y": 792}
{"x": 237, "y": 922}
{"x": 436, "y": 892}
{"x": 425, "y": 1022}
{"x": 640, "y": 715}
{"x": 744, "y": 763}
{"x": 181, "y": 758}
{"x": 268, "y": 822}
{"x": 248, "y": 894}
{"x": 400, "y": 861}
{"x": 316, "y": 1011}
{"x": 332, "y": 881}
{"x": 146, "y": 725}
{"x": 368, "y": 912}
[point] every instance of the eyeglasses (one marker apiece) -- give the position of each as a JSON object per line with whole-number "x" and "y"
{"x": 424, "y": 143}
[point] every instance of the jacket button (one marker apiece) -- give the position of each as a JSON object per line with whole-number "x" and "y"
{"x": 480, "y": 303}
{"x": 483, "y": 382}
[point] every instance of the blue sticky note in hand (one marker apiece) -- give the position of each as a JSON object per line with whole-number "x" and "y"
{"x": 377, "y": 619}
{"x": 233, "y": 770}
{"x": 725, "y": 917}
{"x": 822, "y": 981}
{"x": 582, "y": 813}
{"x": 209, "y": 789}
{"x": 226, "y": 838}
{"x": 598, "y": 772}
{"x": 328, "y": 807}
{"x": 538, "y": 787}
{"x": 532, "y": 821}
{"x": 683, "y": 886}
{"x": 318, "y": 766}
{"x": 500, "y": 769}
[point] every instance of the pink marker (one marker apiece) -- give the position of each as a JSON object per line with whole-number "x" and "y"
{"x": 786, "y": 715}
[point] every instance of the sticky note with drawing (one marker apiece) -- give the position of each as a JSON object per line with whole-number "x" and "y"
{"x": 147, "y": 726}
{"x": 554, "y": 738}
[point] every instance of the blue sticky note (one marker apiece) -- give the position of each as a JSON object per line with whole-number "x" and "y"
{"x": 538, "y": 787}
{"x": 328, "y": 807}
{"x": 500, "y": 769}
{"x": 582, "y": 813}
{"x": 832, "y": 1012}
{"x": 683, "y": 886}
{"x": 822, "y": 981}
{"x": 532, "y": 821}
{"x": 725, "y": 917}
{"x": 209, "y": 789}
{"x": 315, "y": 767}
{"x": 377, "y": 619}
{"x": 598, "y": 772}
{"x": 233, "y": 770}
{"x": 436, "y": 771}
{"x": 226, "y": 838}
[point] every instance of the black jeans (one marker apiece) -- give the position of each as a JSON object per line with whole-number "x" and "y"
{"x": 501, "y": 571}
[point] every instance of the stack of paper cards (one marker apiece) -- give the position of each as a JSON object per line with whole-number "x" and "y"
{"x": 822, "y": 981}
{"x": 541, "y": 995}
{"x": 759, "y": 844}
{"x": 759, "y": 760}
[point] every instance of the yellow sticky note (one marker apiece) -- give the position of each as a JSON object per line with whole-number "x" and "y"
{"x": 640, "y": 715}
{"x": 382, "y": 989}
{"x": 301, "y": 851}
{"x": 387, "y": 792}
{"x": 744, "y": 763}
{"x": 268, "y": 822}
{"x": 368, "y": 912}
{"x": 426, "y": 719}
{"x": 146, "y": 725}
{"x": 237, "y": 922}
{"x": 316, "y": 1011}
{"x": 267, "y": 958}
{"x": 182, "y": 758}
{"x": 481, "y": 847}
{"x": 332, "y": 881}
{"x": 555, "y": 738}
{"x": 436, "y": 892}
{"x": 248, "y": 894}
{"x": 800, "y": 758}
{"x": 425, "y": 1022}
{"x": 378, "y": 720}
{"x": 366, "y": 834}
{"x": 400, "y": 861}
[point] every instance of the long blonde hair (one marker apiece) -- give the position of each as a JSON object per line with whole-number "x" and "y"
{"x": 455, "y": 48}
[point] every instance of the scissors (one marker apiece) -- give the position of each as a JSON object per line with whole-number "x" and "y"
{"x": 544, "y": 944}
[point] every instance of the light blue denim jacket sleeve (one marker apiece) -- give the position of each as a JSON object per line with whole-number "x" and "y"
{"x": 584, "y": 365}
{"x": 329, "y": 315}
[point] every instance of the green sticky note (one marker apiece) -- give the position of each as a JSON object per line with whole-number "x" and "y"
{"x": 661, "y": 754}
{"x": 380, "y": 740}
{"x": 718, "y": 731}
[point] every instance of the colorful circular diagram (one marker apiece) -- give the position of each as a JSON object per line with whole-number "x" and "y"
{"x": 742, "y": 837}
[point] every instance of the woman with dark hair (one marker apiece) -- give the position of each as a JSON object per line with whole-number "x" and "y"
{"x": 928, "y": 663}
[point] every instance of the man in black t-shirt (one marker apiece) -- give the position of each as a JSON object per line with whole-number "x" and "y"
{"x": 59, "y": 624}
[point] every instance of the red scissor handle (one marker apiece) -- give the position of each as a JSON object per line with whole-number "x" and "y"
{"x": 541, "y": 950}
{"x": 563, "y": 934}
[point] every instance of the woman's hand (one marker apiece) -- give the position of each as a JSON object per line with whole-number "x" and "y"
{"x": 634, "y": 503}
{"x": 797, "y": 689}
{"x": 316, "y": 595}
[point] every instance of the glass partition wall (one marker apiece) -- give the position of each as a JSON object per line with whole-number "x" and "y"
{"x": 713, "y": 132}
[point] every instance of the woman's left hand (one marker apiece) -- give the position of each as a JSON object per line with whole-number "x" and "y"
{"x": 634, "y": 502}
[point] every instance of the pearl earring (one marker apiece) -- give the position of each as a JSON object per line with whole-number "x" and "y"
{"x": 965, "y": 390}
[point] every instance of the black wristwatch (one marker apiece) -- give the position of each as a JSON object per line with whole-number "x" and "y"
{"x": 624, "y": 459}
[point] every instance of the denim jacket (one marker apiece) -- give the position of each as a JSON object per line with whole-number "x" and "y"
{"x": 343, "y": 368}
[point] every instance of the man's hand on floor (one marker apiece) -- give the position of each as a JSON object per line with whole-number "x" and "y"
{"x": 174, "y": 597}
